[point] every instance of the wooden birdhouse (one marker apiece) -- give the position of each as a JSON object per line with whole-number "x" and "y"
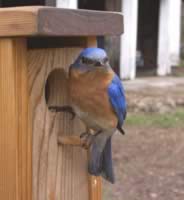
{"x": 40, "y": 155}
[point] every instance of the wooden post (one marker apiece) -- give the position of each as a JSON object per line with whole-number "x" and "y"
{"x": 15, "y": 138}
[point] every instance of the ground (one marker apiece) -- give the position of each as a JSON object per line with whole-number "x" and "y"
{"x": 149, "y": 159}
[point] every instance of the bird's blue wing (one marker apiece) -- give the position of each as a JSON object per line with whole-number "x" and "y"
{"x": 117, "y": 99}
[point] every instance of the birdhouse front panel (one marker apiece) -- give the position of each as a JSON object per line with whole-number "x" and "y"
{"x": 55, "y": 167}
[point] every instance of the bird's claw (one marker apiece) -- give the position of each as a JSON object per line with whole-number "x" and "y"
{"x": 86, "y": 139}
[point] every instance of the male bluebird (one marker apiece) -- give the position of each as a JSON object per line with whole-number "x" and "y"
{"x": 98, "y": 99}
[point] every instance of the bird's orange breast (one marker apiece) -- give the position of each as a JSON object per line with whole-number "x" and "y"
{"x": 88, "y": 92}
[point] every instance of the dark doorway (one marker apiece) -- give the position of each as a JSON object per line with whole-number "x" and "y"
{"x": 11, "y": 3}
{"x": 147, "y": 41}
{"x": 92, "y": 4}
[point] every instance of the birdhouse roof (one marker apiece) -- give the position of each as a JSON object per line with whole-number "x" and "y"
{"x": 49, "y": 21}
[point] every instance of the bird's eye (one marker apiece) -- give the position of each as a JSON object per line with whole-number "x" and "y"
{"x": 83, "y": 60}
{"x": 86, "y": 61}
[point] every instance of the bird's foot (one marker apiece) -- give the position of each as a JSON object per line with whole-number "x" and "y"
{"x": 87, "y": 139}
{"x": 68, "y": 109}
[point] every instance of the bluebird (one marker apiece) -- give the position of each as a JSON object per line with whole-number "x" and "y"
{"x": 98, "y": 99}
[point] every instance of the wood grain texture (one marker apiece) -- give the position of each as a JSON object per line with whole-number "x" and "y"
{"x": 15, "y": 138}
{"x": 59, "y": 172}
{"x": 18, "y": 21}
{"x": 95, "y": 191}
{"x": 49, "y": 21}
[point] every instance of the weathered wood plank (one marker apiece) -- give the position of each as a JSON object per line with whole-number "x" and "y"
{"x": 59, "y": 172}
{"x": 49, "y": 21}
{"x": 18, "y": 21}
{"x": 15, "y": 138}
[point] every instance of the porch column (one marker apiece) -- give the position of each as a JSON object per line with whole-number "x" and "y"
{"x": 129, "y": 39}
{"x": 169, "y": 35}
{"x": 175, "y": 31}
{"x": 73, "y": 4}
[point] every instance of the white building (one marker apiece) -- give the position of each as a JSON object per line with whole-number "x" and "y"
{"x": 167, "y": 41}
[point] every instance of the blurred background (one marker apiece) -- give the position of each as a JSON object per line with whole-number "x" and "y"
{"x": 149, "y": 57}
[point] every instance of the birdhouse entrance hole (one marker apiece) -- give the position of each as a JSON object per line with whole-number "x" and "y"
{"x": 56, "y": 89}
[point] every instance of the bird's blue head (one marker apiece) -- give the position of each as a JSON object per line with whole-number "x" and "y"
{"x": 91, "y": 59}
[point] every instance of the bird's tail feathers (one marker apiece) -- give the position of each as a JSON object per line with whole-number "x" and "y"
{"x": 100, "y": 161}
{"x": 95, "y": 160}
{"x": 120, "y": 130}
{"x": 107, "y": 163}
